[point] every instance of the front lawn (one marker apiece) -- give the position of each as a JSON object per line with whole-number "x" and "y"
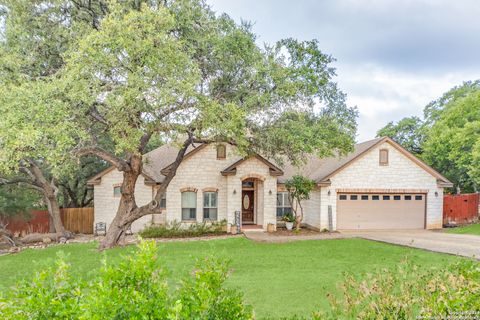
{"x": 470, "y": 229}
{"x": 277, "y": 279}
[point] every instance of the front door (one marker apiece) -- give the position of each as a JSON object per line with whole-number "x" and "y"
{"x": 247, "y": 206}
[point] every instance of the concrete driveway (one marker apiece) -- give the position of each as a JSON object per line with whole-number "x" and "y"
{"x": 457, "y": 244}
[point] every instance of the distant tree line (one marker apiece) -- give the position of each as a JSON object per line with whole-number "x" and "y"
{"x": 448, "y": 136}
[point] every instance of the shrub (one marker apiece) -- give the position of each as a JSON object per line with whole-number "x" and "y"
{"x": 136, "y": 288}
{"x": 175, "y": 230}
{"x": 409, "y": 293}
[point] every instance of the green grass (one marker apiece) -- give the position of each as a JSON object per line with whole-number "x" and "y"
{"x": 277, "y": 279}
{"x": 470, "y": 229}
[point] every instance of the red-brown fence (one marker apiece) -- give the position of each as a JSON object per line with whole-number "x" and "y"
{"x": 460, "y": 208}
{"x": 77, "y": 220}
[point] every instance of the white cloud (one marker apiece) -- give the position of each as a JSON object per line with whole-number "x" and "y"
{"x": 383, "y": 95}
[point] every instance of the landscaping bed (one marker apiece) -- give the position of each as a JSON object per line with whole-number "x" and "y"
{"x": 177, "y": 230}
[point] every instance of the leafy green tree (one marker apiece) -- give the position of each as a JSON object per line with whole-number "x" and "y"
{"x": 434, "y": 109}
{"x": 453, "y": 143}
{"x": 127, "y": 71}
{"x": 35, "y": 129}
{"x": 72, "y": 185}
{"x": 299, "y": 189}
{"x": 408, "y": 132}
{"x": 35, "y": 143}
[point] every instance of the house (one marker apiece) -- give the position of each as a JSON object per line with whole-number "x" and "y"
{"x": 379, "y": 185}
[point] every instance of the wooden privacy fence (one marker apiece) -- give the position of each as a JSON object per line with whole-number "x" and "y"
{"x": 460, "y": 208}
{"x": 76, "y": 220}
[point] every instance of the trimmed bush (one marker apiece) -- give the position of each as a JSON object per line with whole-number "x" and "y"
{"x": 136, "y": 288}
{"x": 408, "y": 293}
{"x": 176, "y": 230}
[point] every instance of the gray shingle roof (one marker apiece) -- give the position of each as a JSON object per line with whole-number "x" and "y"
{"x": 317, "y": 168}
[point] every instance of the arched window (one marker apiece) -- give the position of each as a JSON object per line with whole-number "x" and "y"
{"x": 221, "y": 152}
{"x": 189, "y": 205}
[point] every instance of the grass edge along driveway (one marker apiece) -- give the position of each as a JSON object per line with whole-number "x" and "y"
{"x": 278, "y": 280}
{"x": 468, "y": 229}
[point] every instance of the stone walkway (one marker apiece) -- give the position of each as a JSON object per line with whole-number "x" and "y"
{"x": 272, "y": 238}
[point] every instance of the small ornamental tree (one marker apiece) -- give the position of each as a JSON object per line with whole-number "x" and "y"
{"x": 299, "y": 189}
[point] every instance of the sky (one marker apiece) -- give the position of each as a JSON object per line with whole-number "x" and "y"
{"x": 392, "y": 56}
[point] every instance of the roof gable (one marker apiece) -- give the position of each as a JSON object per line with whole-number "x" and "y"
{"x": 232, "y": 169}
{"x": 444, "y": 182}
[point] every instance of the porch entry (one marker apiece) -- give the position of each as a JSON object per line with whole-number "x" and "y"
{"x": 248, "y": 201}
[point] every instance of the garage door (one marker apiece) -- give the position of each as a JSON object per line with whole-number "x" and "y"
{"x": 380, "y": 211}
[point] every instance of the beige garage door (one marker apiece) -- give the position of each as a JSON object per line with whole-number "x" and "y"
{"x": 380, "y": 211}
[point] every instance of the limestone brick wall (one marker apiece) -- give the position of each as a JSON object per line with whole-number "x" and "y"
{"x": 106, "y": 204}
{"x": 401, "y": 173}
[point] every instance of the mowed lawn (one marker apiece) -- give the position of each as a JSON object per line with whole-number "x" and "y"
{"x": 278, "y": 280}
{"x": 470, "y": 229}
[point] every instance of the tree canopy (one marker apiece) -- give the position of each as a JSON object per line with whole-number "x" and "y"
{"x": 126, "y": 71}
{"x": 449, "y": 136}
{"x": 409, "y": 132}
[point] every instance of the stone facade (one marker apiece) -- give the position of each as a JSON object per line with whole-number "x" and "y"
{"x": 106, "y": 203}
{"x": 401, "y": 173}
{"x": 201, "y": 172}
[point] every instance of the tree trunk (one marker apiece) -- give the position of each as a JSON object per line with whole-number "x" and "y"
{"x": 51, "y": 226}
{"x": 118, "y": 227}
{"x": 298, "y": 216}
{"x": 128, "y": 211}
{"x": 50, "y": 196}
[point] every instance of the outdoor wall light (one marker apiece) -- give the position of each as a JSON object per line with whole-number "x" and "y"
{"x": 329, "y": 193}
{"x": 436, "y": 193}
{"x": 234, "y": 191}
{"x": 270, "y": 192}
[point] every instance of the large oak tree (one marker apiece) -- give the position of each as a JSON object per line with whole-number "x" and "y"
{"x": 177, "y": 69}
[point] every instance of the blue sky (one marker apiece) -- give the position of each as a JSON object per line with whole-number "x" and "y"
{"x": 393, "y": 57}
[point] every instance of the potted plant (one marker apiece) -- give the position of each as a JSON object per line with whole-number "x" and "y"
{"x": 289, "y": 220}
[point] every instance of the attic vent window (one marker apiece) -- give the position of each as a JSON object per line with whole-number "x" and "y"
{"x": 221, "y": 152}
{"x": 383, "y": 157}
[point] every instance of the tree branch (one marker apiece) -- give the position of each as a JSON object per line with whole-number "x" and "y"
{"x": 119, "y": 163}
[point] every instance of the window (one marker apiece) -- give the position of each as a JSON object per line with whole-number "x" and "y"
{"x": 375, "y": 197}
{"x": 189, "y": 205}
{"x": 353, "y": 197}
{"x": 397, "y": 198}
{"x": 383, "y": 157}
{"x": 364, "y": 197}
{"x": 248, "y": 184}
{"x": 418, "y": 197}
{"x": 408, "y": 197}
{"x": 386, "y": 197}
{"x": 283, "y": 204}
{"x": 163, "y": 201}
{"x": 221, "y": 152}
{"x": 343, "y": 197}
{"x": 117, "y": 191}
{"x": 210, "y": 205}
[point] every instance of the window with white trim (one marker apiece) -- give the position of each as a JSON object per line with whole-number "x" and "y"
{"x": 210, "y": 205}
{"x": 283, "y": 204}
{"x": 189, "y": 205}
